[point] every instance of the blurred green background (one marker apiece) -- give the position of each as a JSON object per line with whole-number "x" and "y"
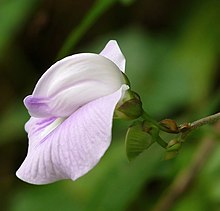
{"x": 172, "y": 50}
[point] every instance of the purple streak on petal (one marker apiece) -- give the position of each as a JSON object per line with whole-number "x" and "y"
{"x": 37, "y": 107}
{"x": 39, "y": 124}
{"x": 113, "y": 53}
{"x": 74, "y": 147}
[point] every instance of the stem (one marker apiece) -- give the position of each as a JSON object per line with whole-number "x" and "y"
{"x": 185, "y": 128}
{"x": 198, "y": 123}
{"x": 156, "y": 137}
{"x": 207, "y": 120}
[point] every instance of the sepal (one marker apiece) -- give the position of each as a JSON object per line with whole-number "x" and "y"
{"x": 137, "y": 140}
{"x": 129, "y": 107}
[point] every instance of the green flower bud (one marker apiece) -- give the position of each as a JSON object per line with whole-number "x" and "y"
{"x": 130, "y": 107}
{"x": 173, "y": 148}
{"x": 173, "y": 145}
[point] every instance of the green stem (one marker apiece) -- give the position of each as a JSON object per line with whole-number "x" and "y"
{"x": 156, "y": 137}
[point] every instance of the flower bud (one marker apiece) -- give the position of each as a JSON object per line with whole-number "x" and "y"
{"x": 184, "y": 127}
{"x": 173, "y": 145}
{"x": 173, "y": 148}
{"x": 170, "y": 125}
{"x": 130, "y": 107}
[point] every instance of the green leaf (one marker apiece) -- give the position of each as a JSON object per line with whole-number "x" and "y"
{"x": 136, "y": 140}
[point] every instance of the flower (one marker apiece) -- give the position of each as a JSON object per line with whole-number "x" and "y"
{"x": 71, "y": 110}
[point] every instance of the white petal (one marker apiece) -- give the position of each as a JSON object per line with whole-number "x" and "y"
{"x": 113, "y": 52}
{"x": 73, "y": 82}
{"x": 72, "y": 148}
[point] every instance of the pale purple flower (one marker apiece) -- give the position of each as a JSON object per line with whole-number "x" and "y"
{"x": 71, "y": 110}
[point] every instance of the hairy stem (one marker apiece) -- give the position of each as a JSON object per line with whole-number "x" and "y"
{"x": 198, "y": 123}
{"x": 207, "y": 120}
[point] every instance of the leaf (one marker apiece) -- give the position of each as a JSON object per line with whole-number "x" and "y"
{"x": 136, "y": 140}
